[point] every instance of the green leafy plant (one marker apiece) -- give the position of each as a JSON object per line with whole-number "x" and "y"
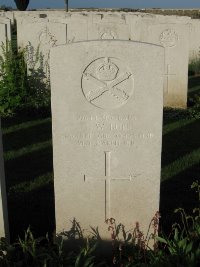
{"x": 194, "y": 111}
{"x": 13, "y": 80}
{"x": 38, "y": 96}
{"x": 31, "y": 252}
{"x": 183, "y": 246}
{"x": 22, "y": 87}
{"x": 194, "y": 65}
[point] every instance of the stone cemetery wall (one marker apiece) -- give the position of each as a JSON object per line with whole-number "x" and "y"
{"x": 107, "y": 131}
{"x": 4, "y": 229}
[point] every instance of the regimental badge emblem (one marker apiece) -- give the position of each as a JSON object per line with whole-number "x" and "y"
{"x": 108, "y": 34}
{"x": 107, "y": 83}
{"x": 169, "y": 38}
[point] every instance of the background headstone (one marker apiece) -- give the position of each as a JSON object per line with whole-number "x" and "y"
{"x": 37, "y": 36}
{"x": 108, "y": 26}
{"x": 194, "y": 39}
{"x": 7, "y": 14}
{"x": 5, "y": 32}
{"x": 7, "y": 22}
{"x": 175, "y": 39}
{"x": 107, "y": 131}
{"x": 77, "y": 27}
{"x": 4, "y": 228}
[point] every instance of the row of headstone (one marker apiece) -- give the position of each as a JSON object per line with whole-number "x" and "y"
{"x": 194, "y": 23}
{"x": 170, "y": 32}
{"x": 128, "y": 26}
{"x": 194, "y": 40}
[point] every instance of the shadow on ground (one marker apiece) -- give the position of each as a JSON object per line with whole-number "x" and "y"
{"x": 178, "y": 153}
{"x": 30, "y": 195}
{"x": 34, "y": 209}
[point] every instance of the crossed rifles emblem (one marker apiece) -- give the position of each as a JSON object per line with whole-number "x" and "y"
{"x": 107, "y": 86}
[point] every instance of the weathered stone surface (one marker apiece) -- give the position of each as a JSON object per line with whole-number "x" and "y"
{"x": 7, "y": 23}
{"x": 107, "y": 101}
{"x": 5, "y": 32}
{"x": 39, "y": 14}
{"x": 2, "y": 35}
{"x": 175, "y": 38}
{"x": 43, "y": 35}
{"x": 4, "y": 228}
{"x": 7, "y": 14}
{"x": 77, "y": 27}
{"x": 108, "y": 26}
{"x": 194, "y": 39}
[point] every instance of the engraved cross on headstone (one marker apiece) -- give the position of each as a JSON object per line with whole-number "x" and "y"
{"x": 167, "y": 75}
{"x": 107, "y": 179}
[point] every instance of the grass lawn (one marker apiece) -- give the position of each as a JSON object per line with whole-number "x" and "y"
{"x": 29, "y": 168}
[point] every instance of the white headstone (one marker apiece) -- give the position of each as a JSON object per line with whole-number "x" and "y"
{"x": 7, "y": 14}
{"x": 40, "y": 35}
{"x": 39, "y": 13}
{"x": 4, "y": 229}
{"x": 7, "y": 23}
{"x": 77, "y": 27}
{"x": 107, "y": 101}
{"x": 5, "y": 32}
{"x": 194, "y": 39}
{"x": 108, "y": 26}
{"x": 175, "y": 39}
